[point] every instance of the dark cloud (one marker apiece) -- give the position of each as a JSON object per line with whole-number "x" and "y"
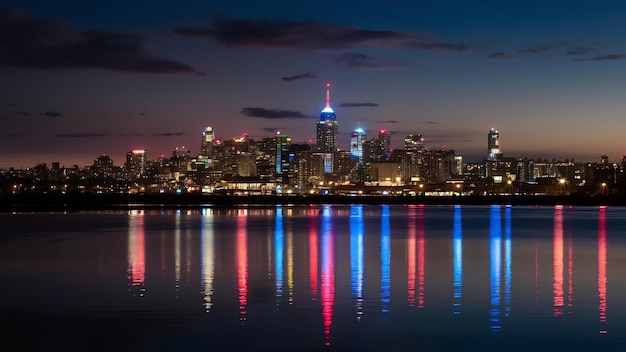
{"x": 584, "y": 49}
{"x": 30, "y": 42}
{"x": 23, "y": 113}
{"x": 362, "y": 61}
{"x": 603, "y": 57}
{"x": 273, "y": 113}
{"x": 428, "y": 122}
{"x": 389, "y": 121}
{"x": 265, "y": 33}
{"x": 51, "y": 114}
{"x": 80, "y": 135}
{"x": 356, "y": 105}
{"x": 444, "y": 47}
{"x": 131, "y": 134}
{"x": 168, "y": 134}
{"x": 546, "y": 50}
{"x": 308, "y": 75}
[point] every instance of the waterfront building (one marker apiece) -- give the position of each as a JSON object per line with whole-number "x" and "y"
{"x": 493, "y": 145}
{"x": 327, "y": 128}
{"x": 136, "y": 163}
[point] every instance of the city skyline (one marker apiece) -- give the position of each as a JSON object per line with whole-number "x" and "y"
{"x": 82, "y": 80}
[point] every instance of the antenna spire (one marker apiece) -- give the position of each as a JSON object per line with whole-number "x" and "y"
{"x": 327, "y": 95}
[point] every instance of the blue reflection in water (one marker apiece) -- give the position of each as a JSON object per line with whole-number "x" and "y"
{"x": 207, "y": 258}
{"x": 495, "y": 239}
{"x": 279, "y": 247}
{"x": 507, "y": 260}
{"x": 385, "y": 252}
{"x": 457, "y": 249}
{"x": 356, "y": 257}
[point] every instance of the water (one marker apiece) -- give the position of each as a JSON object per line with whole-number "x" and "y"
{"x": 373, "y": 278}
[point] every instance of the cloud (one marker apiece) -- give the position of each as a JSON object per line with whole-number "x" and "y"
{"x": 428, "y": 122}
{"x": 23, "y": 113}
{"x": 80, "y": 135}
{"x": 603, "y": 57}
{"x": 273, "y": 113}
{"x": 168, "y": 134}
{"x": 389, "y": 121}
{"x": 266, "y": 33}
{"x": 308, "y": 75}
{"x": 356, "y": 105}
{"x": 443, "y": 47}
{"x": 547, "y": 49}
{"x": 51, "y": 114}
{"x": 131, "y": 134}
{"x": 35, "y": 43}
{"x": 362, "y": 61}
{"x": 272, "y": 129}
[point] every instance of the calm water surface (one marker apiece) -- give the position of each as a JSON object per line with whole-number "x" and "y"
{"x": 373, "y": 278}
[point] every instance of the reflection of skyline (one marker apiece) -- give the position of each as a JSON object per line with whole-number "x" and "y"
{"x": 385, "y": 259}
{"x": 242, "y": 264}
{"x": 457, "y": 255}
{"x": 328, "y": 272}
{"x": 602, "y": 269}
{"x": 136, "y": 251}
{"x": 327, "y": 253}
{"x": 356, "y": 257}
{"x": 208, "y": 258}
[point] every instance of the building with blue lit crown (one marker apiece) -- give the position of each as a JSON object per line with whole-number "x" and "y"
{"x": 327, "y": 128}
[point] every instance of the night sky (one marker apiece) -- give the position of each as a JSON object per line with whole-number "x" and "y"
{"x": 85, "y": 78}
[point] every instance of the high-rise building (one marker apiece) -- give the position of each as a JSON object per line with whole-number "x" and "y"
{"x": 136, "y": 163}
{"x": 283, "y": 143}
{"x": 385, "y": 140}
{"x": 356, "y": 144}
{"x": 327, "y": 128}
{"x": 207, "y": 141}
{"x": 493, "y": 145}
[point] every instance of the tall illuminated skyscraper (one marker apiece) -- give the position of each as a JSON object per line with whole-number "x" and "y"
{"x": 207, "y": 141}
{"x": 356, "y": 144}
{"x": 327, "y": 128}
{"x": 493, "y": 145}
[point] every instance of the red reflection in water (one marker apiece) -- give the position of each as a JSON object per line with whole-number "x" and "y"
{"x": 411, "y": 244}
{"x": 136, "y": 250}
{"x": 421, "y": 257}
{"x": 328, "y": 283}
{"x": 558, "y": 262}
{"x": 242, "y": 266}
{"x": 602, "y": 266}
{"x": 313, "y": 253}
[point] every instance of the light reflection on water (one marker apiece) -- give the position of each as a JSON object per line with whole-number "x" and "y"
{"x": 306, "y": 277}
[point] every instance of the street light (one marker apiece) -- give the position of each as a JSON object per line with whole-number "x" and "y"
{"x": 603, "y": 187}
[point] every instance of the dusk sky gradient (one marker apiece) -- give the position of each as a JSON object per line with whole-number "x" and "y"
{"x": 85, "y": 78}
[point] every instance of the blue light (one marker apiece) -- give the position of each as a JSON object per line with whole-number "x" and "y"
{"x": 385, "y": 253}
{"x": 279, "y": 246}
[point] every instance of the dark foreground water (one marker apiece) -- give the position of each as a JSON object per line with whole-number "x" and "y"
{"x": 367, "y": 278}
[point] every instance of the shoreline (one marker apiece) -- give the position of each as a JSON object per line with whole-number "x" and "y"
{"x": 65, "y": 202}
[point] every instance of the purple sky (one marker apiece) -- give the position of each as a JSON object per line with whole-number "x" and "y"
{"x": 81, "y": 79}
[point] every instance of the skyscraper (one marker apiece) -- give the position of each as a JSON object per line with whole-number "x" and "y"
{"x": 493, "y": 145}
{"x": 356, "y": 144}
{"x": 207, "y": 141}
{"x": 327, "y": 128}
